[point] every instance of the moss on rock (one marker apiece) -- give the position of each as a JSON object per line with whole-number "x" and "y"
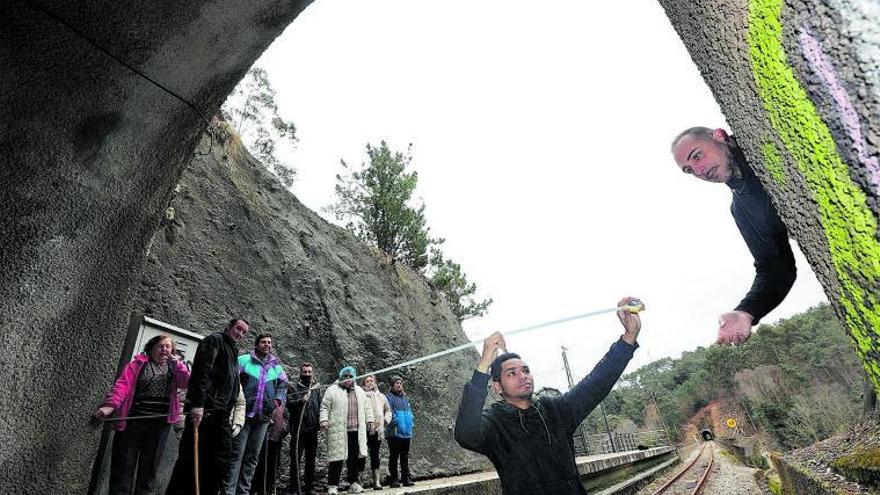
{"x": 863, "y": 466}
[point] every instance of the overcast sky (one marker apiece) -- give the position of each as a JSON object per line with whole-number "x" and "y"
{"x": 541, "y": 138}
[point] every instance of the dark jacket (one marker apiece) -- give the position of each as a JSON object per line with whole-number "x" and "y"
{"x": 533, "y": 449}
{"x": 312, "y": 411}
{"x": 214, "y": 383}
{"x": 767, "y": 239}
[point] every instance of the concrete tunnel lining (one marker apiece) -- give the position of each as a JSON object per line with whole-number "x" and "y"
{"x": 92, "y": 154}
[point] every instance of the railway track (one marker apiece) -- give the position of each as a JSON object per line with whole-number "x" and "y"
{"x": 680, "y": 484}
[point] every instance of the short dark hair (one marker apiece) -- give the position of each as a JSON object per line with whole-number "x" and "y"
{"x": 148, "y": 347}
{"x": 261, "y": 337}
{"x": 233, "y": 321}
{"x": 495, "y": 370}
{"x": 699, "y": 132}
{"x": 307, "y": 365}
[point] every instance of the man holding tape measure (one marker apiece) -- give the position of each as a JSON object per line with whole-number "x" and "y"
{"x": 530, "y": 442}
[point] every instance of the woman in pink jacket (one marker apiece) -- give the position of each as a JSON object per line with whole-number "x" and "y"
{"x": 146, "y": 389}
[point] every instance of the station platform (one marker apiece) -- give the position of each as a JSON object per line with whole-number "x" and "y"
{"x": 487, "y": 483}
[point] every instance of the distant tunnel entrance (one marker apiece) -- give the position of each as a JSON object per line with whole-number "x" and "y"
{"x": 707, "y": 435}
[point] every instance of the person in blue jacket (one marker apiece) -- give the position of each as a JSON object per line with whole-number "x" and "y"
{"x": 530, "y": 441}
{"x": 399, "y": 433}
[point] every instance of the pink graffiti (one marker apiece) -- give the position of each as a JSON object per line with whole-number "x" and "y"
{"x": 850, "y": 119}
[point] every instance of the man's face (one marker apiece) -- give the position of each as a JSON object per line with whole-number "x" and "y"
{"x": 306, "y": 371}
{"x": 397, "y": 387}
{"x": 238, "y": 330}
{"x": 516, "y": 380}
{"x": 710, "y": 160}
{"x": 264, "y": 346}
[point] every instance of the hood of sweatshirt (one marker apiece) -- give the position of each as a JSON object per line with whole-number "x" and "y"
{"x": 530, "y": 420}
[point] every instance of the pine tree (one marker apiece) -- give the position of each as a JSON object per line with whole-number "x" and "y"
{"x": 251, "y": 109}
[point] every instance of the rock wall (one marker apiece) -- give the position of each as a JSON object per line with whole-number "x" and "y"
{"x": 799, "y": 85}
{"x": 240, "y": 244}
{"x": 90, "y": 154}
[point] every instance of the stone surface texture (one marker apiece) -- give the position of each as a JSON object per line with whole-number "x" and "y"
{"x": 797, "y": 81}
{"x": 240, "y": 244}
{"x": 90, "y": 154}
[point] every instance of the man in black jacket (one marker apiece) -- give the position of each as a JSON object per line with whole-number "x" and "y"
{"x": 304, "y": 402}
{"x": 713, "y": 156}
{"x": 530, "y": 442}
{"x": 212, "y": 392}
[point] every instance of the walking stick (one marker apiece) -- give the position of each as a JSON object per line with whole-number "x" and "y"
{"x": 275, "y": 472}
{"x": 196, "y": 456}
{"x": 265, "y": 461}
{"x": 298, "y": 429}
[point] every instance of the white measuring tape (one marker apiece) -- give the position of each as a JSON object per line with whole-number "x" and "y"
{"x": 631, "y": 306}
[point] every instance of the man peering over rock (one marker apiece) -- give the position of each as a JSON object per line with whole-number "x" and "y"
{"x": 713, "y": 156}
{"x": 530, "y": 442}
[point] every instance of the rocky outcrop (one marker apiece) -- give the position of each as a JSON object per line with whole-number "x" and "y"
{"x": 240, "y": 244}
{"x": 797, "y": 80}
{"x": 90, "y": 153}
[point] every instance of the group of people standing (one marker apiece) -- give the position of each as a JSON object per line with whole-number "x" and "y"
{"x": 233, "y": 401}
{"x": 239, "y": 409}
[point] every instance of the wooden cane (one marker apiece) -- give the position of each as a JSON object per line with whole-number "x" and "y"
{"x": 196, "y": 456}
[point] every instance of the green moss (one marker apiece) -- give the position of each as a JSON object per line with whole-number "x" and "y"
{"x": 774, "y": 484}
{"x": 773, "y": 162}
{"x": 863, "y": 466}
{"x": 849, "y": 224}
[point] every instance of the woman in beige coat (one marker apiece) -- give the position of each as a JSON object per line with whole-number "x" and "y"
{"x": 382, "y": 414}
{"x": 346, "y": 416}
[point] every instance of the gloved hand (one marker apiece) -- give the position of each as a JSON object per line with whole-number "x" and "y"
{"x": 236, "y": 429}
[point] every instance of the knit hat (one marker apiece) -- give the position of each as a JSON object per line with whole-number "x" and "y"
{"x": 347, "y": 369}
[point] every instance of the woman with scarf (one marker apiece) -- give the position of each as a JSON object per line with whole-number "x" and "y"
{"x": 382, "y": 416}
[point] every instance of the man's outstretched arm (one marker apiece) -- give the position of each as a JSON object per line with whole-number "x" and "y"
{"x": 775, "y": 273}
{"x": 468, "y": 424}
{"x": 590, "y": 391}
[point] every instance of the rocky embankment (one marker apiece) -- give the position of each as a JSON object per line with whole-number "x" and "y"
{"x": 235, "y": 242}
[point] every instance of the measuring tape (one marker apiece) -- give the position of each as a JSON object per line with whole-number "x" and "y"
{"x": 632, "y": 306}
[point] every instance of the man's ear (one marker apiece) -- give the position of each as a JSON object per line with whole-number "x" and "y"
{"x": 496, "y": 387}
{"x": 720, "y": 135}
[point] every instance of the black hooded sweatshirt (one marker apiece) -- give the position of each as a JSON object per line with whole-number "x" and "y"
{"x": 533, "y": 449}
{"x": 767, "y": 238}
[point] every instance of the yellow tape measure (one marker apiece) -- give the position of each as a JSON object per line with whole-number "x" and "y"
{"x": 634, "y": 306}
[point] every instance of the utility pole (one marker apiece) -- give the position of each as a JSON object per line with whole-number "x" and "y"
{"x": 580, "y": 426}
{"x": 659, "y": 412}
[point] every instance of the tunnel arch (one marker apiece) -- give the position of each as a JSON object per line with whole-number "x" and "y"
{"x": 94, "y": 153}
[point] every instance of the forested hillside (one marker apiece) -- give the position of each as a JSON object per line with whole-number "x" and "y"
{"x": 798, "y": 380}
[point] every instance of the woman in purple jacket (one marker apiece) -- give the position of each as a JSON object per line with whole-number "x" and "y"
{"x": 146, "y": 389}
